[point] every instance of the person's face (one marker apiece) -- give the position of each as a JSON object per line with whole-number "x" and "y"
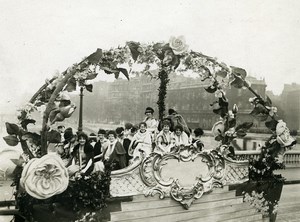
{"x": 149, "y": 114}
{"x": 101, "y": 136}
{"x": 82, "y": 141}
{"x": 166, "y": 128}
{"x": 111, "y": 137}
{"x": 61, "y": 130}
{"x": 178, "y": 132}
{"x": 143, "y": 128}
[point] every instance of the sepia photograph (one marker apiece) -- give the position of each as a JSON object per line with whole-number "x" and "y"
{"x": 149, "y": 111}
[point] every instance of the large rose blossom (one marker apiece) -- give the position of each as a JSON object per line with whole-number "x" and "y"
{"x": 283, "y": 134}
{"x": 178, "y": 45}
{"x": 45, "y": 177}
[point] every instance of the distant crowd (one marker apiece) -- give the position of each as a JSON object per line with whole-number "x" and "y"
{"x": 84, "y": 153}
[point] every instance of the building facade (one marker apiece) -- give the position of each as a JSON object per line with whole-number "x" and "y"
{"x": 125, "y": 101}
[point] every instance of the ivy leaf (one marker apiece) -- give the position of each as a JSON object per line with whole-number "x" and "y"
{"x": 11, "y": 140}
{"x": 71, "y": 86}
{"x": 210, "y": 89}
{"x": 12, "y": 128}
{"x": 53, "y": 136}
{"x": 125, "y": 72}
{"x": 25, "y": 122}
{"x": 53, "y": 114}
{"x": 241, "y": 133}
{"x": 133, "y": 47}
{"x": 219, "y": 138}
{"x": 271, "y": 124}
{"x": 117, "y": 75}
{"x": 239, "y": 72}
{"x": 95, "y": 57}
{"x": 238, "y": 82}
{"x": 89, "y": 87}
{"x": 222, "y": 73}
{"x": 92, "y": 75}
{"x": 18, "y": 162}
{"x": 244, "y": 126}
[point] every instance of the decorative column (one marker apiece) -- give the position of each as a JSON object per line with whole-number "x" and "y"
{"x": 80, "y": 110}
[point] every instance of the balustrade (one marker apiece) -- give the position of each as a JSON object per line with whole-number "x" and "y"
{"x": 291, "y": 157}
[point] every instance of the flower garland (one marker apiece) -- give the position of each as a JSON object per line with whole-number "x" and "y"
{"x": 54, "y": 103}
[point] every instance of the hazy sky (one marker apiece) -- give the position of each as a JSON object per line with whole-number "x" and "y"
{"x": 39, "y": 37}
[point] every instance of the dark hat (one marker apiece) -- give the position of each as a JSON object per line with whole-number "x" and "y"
{"x": 171, "y": 111}
{"x": 128, "y": 126}
{"x": 149, "y": 110}
{"x": 198, "y": 132}
{"x": 101, "y": 131}
{"x": 120, "y": 131}
{"x": 68, "y": 135}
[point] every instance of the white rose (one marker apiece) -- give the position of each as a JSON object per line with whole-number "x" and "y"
{"x": 45, "y": 177}
{"x": 178, "y": 45}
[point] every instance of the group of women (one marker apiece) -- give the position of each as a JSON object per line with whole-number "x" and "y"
{"x": 123, "y": 146}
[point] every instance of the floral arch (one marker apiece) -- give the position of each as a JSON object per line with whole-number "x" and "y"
{"x": 166, "y": 58}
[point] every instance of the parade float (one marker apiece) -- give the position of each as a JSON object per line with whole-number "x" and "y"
{"x": 42, "y": 181}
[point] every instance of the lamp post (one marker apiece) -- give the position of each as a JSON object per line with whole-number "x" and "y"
{"x": 80, "y": 110}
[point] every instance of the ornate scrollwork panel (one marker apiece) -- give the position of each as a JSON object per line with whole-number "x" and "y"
{"x": 184, "y": 174}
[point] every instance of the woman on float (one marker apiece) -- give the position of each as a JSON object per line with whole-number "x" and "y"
{"x": 82, "y": 156}
{"x": 98, "y": 147}
{"x": 179, "y": 136}
{"x": 114, "y": 152}
{"x": 141, "y": 142}
{"x": 164, "y": 141}
{"x": 152, "y": 124}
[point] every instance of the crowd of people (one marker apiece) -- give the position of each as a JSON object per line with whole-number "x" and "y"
{"x": 84, "y": 153}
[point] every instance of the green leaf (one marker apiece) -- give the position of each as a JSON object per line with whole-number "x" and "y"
{"x": 239, "y": 72}
{"x": 241, "y": 133}
{"x": 53, "y": 136}
{"x": 125, "y": 72}
{"x": 238, "y": 82}
{"x": 53, "y": 114}
{"x": 33, "y": 138}
{"x": 12, "y": 128}
{"x": 117, "y": 75}
{"x": 92, "y": 75}
{"x": 219, "y": 138}
{"x": 95, "y": 57}
{"x": 18, "y": 162}
{"x": 133, "y": 47}
{"x": 271, "y": 124}
{"x": 89, "y": 87}
{"x": 25, "y": 122}
{"x": 11, "y": 140}
{"x": 245, "y": 126}
{"x": 71, "y": 85}
{"x": 222, "y": 73}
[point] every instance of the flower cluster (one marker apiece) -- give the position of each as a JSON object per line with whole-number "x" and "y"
{"x": 258, "y": 201}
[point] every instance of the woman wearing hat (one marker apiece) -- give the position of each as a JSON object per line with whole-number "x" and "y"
{"x": 114, "y": 152}
{"x": 82, "y": 156}
{"x": 164, "y": 140}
